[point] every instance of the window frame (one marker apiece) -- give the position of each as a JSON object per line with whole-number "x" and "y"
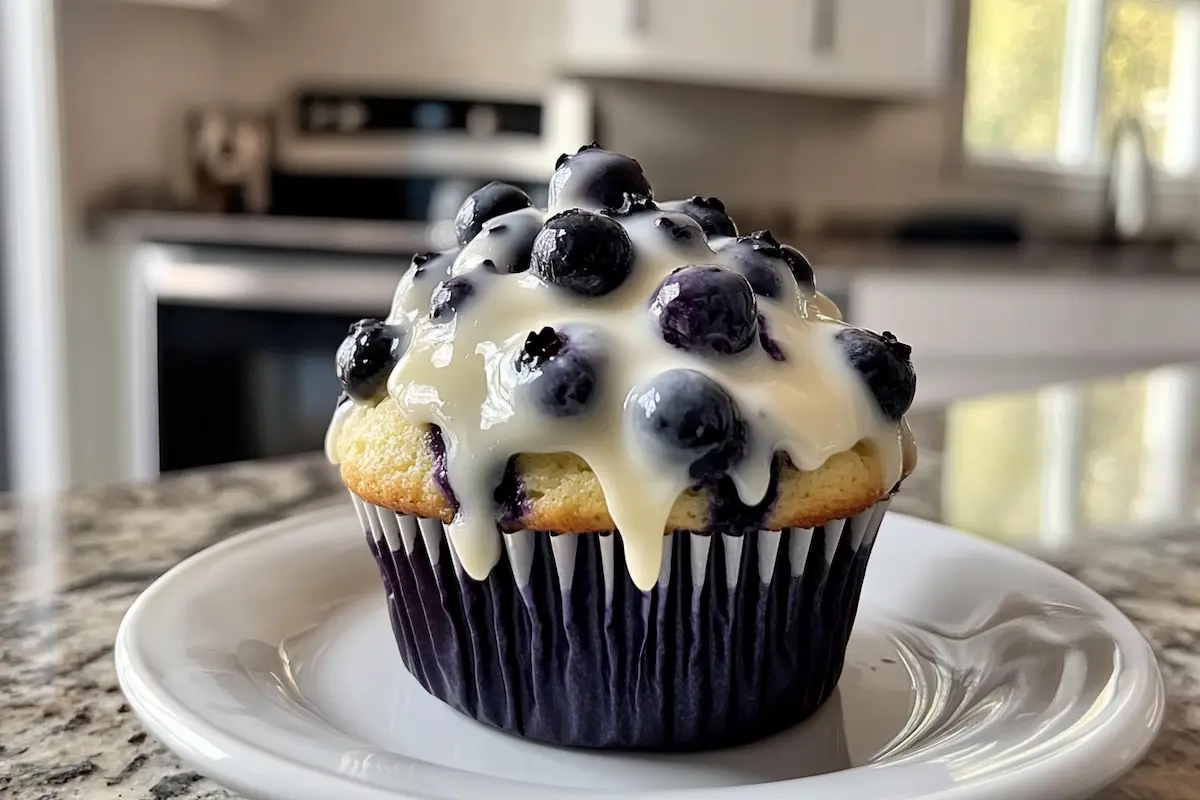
{"x": 1079, "y": 163}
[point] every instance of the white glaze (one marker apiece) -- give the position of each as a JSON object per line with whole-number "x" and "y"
{"x": 340, "y": 416}
{"x": 461, "y": 376}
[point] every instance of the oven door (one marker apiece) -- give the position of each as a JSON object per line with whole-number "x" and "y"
{"x": 244, "y": 363}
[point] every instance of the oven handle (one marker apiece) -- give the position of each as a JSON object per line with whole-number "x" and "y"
{"x": 335, "y": 289}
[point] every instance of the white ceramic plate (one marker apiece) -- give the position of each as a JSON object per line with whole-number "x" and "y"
{"x": 974, "y": 672}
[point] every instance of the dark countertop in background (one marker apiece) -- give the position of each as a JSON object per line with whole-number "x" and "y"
{"x": 70, "y": 568}
{"x": 868, "y": 251}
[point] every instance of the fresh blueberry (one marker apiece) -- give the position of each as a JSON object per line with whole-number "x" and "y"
{"x": 540, "y": 347}
{"x": 885, "y": 366}
{"x": 419, "y": 260}
{"x": 507, "y": 241}
{"x": 487, "y": 203}
{"x": 427, "y": 270}
{"x": 709, "y": 212}
{"x": 561, "y": 370}
{"x": 434, "y": 266}
{"x": 801, "y": 268}
{"x": 449, "y": 297}
{"x": 768, "y": 344}
{"x": 761, "y": 260}
{"x": 690, "y": 417}
{"x": 631, "y": 204}
{"x": 367, "y": 355}
{"x": 706, "y": 309}
{"x": 764, "y": 237}
{"x": 763, "y": 279}
{"x": 585, "y": 253}
{"x": 596, "y": 178}
{"x": 681, "y": 230}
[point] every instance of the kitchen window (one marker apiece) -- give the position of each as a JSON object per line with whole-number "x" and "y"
{"x": 1047, "y": 80}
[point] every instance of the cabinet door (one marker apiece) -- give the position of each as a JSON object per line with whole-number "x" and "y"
{"x": 867, "y": 48}
{"x": 876, "y": 47}
{"x": 750, "y": 43}
{"x": 998, "y": 330}
{"x": 743, "y": 41}
{"x": 601, "y": 33}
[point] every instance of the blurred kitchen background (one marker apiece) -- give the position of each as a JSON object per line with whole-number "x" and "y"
{"x": 200, "y": 196}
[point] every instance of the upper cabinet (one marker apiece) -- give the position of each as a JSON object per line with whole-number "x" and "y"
{"x": 884, "y": 47}
{"x": 257, "y": 11}
{"x": 710, "y": 41}
{"x": 853, "y": 48}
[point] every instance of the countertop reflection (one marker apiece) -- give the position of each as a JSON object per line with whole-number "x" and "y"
{"x": 1050, "y": 470}
{"x": 1102, "y": 478}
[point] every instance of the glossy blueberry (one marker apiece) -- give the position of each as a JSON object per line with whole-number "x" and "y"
{"x": 761, "y": 260}
{"x": 585, "y": 253}
{"x": 709, "y": 212}
{"x": 631, "y": 205}
{"x": 366, "y": 357}
{"x": 596, "y": 178}
{"x": 484, "y": 204}
{"x": 690, "y": 417}
{"x": 411, "y": 298}
{"x": 449, "y": 297}
{"x": 801, "y": 268}
{"x": 540, "y": 347}
{"x": 507, "y": 241}
{"x": 423, "y": 264}
{"x": 706, "y": 309}
{"x": 561, "y": 370}
{"x": 681, "y": 231}
{"x": 433, "y": 266}
{"x": 885, "y": 366}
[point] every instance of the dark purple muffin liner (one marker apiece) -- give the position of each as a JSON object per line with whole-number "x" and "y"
{"x": 743, "y": 635}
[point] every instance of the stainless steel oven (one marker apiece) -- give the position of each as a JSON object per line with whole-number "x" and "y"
{"x": 237, "y": 316}
{"x": 235, "y": 359}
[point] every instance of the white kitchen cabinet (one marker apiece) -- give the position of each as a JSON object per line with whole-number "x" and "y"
{"x": 245, "y": 11}
{"x": 199, "y": 5}
{"x": 981, "y": 333}
{"x": 876, "y": 47}
{"x": 859, "y": 48}
{"x": 683, "y": 40}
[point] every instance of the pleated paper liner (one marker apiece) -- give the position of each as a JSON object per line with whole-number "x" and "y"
{"x": 742, "y": 636}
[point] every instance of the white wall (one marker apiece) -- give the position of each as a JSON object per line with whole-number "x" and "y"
{"x": 502, "y": 44}
{"x": 128, "y": 73}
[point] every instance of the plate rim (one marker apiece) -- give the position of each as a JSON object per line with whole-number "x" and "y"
{"x": 204, "y": 746}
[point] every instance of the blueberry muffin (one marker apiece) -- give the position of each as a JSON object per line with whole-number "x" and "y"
{"x": 621, "y": 467}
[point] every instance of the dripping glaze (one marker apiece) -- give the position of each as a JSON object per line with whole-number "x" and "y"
{"x": 460, "y": 374}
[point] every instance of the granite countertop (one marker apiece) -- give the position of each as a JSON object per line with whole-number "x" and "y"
{"x": 70, "y": 568}
{"x": 65, "y": 730}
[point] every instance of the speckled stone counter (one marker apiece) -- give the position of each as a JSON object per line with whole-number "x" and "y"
{"x": 66, "y": 580}
{"x": 70, "y": 569}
